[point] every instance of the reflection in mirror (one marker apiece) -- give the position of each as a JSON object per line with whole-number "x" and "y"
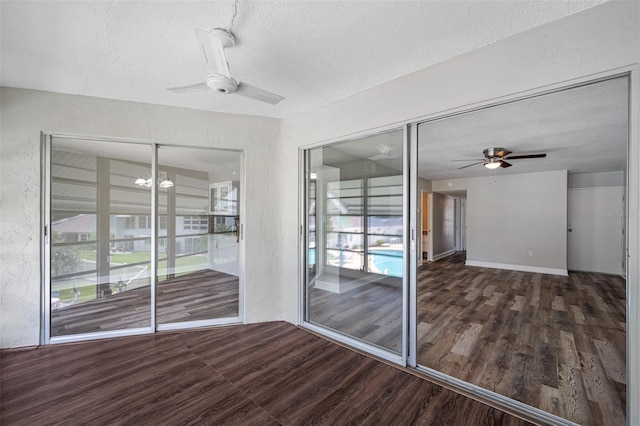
{"x": 198, "y": 250}
{"x": 524, "y": 291}
{"x": 100, "y": 237}
{"x": 355, "y": 238}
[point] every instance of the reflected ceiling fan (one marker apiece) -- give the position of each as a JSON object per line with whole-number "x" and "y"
{"x": 212, "y": 44}
{"x": 385, "y": 152}
{"x": 496, "y": 157}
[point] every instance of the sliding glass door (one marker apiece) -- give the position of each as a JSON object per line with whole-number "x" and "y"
{"x": 134, "y": 246}
{"x": 517, "y": 291}
{"x": 198, "y": 235}
{"x": 499, "y": 309}
{"x": 100, "y": 237}
{"x": 355, "y": 240}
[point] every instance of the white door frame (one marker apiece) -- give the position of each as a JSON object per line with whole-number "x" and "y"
{"x": 429, "y": 238}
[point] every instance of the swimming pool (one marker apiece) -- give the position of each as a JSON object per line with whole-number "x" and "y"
{"x": 388, "y": 262}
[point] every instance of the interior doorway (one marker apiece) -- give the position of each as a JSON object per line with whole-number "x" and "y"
{"x": 595, "y": 230}
{"x": 426, "y": 242}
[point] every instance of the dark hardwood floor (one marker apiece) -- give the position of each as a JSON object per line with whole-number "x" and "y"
{"x": 200, "y": 295}
{"x": 260, "y": 374}
{"x": 372, "y": 312}
{"x": 555, "y": 343}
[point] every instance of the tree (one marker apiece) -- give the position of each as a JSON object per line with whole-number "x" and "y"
{"x": 64, "y": 259}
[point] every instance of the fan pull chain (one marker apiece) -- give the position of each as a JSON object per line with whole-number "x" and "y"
{"x": 235, "y": 12}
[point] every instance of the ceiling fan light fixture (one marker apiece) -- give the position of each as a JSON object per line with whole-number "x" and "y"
{"x": 140, "y": 181}
{"x": 493, "y": 163}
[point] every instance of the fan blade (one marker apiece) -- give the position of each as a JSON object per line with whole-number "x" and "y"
{"x": 520, "y": 157}
{"x": 213, "y": 53}
{"x": 258, "y": 94}
{"x": 502, "y": 153}
{"x": 469, "y": 165}
{"x": 197, "y": 87}
{"x": 504, "y": 164}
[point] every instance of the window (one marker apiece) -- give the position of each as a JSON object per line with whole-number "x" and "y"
{"x": 144, "y": 222}
{"x": 130, "y": 222}
{"x": 346, "y": 238}
{"x": 195, "y": 223}
{"x": 345, "y": 224}
{"x": 354, "y": 227}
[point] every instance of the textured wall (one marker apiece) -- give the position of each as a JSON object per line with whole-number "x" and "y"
{"x": 25, "y": 113}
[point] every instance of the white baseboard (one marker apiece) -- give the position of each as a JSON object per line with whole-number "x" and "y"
{"x": 443, "y": 254}
{"x": 523, "y": 268}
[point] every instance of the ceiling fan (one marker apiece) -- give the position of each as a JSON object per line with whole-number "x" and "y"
{"x": 496, "y": 157}
{"x": 212, "y": 43}
{"x": 385, "y": 152}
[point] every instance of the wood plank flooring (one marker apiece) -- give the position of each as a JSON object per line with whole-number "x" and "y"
{"x": 372, "y": 312}
{"x": 200, "y": 295}
{"x": 552, "y": 342}
{"x": 260, "y": 374}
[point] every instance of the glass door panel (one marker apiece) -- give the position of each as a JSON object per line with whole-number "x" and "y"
{"x": 198, "y": 247}
{"x": 354, "y": 220}
{"x": 497, "y": 307}
{"x": 100, "y": 237}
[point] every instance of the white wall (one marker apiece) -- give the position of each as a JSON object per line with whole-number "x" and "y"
{"x": 25, "y": 113}
{"x": 518, "y": 220}
{"x": 443, "y": 232}
{"x": 596, "y": 180}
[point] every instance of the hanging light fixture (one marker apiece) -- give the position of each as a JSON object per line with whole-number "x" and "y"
{"x": 166, "y": 183}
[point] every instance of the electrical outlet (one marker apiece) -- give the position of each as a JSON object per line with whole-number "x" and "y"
{"x": 530, "y": 253}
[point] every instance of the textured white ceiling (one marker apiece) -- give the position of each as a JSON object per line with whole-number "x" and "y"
{"x": 584, "y": 129}
{"x": 311, "y": 52}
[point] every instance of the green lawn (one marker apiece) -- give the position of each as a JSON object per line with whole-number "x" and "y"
{"x": 144, "y": 256}
{"x": 87, "y": 288}
{"x": 141, "y": 256}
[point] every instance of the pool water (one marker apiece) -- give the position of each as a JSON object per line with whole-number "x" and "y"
{"x": 388, "y": 262}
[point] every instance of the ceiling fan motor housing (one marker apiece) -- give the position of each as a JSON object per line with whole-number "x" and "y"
{"x": 221, "y": 84}
{"x": 495, "y": 152}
